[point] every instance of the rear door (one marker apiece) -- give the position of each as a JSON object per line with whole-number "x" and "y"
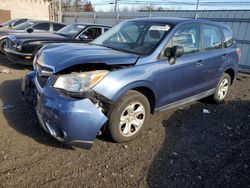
{"x": 213, "y": 54}
{"x": 230, "y": 57}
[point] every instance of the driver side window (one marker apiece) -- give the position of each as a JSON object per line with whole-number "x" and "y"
{"x": 188, "y": 36}
{"x": 92, "y": 33}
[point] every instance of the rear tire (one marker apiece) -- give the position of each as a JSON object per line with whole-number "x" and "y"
{"x": 128, "y": 117}
{"x": 221, "y": 89}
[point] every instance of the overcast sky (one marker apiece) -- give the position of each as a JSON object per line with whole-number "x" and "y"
{"x": 107, "y": 5}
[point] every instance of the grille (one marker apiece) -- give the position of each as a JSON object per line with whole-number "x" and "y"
{"x": 41, "y": 78}
{"x": 9, "y": 43}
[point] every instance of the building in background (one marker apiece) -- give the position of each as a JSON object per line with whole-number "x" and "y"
{"x": 32, "y": 9}
{"x": 4, "y": 15}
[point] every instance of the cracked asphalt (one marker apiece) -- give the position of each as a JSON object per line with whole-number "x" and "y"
{"x": 183, "y": 147}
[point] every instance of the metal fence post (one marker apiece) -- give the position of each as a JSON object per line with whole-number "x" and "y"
{"x": 75, "y": 18}
{"x": 196, "y": 10}
{"x": 94, "y": 17}
{"x": 118, "y": 17}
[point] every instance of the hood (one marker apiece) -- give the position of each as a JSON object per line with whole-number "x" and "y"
{"x": 62, "y": 56}
{"x": 38, "y": 36}
{"x": 4, "y": 31}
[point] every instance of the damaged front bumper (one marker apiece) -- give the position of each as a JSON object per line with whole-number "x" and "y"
{"x": 72, "y": 121}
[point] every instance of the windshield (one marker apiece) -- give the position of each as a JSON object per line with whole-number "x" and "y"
{"x": 8, "y": 23}
{"x": 137, "y": 37}
{"x": 23, "y": 26}
{"x": 71, "y": 30}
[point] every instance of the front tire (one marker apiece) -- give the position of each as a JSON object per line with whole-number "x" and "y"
{"x": 221, "y": 89}
{"x": 128, "y": 117}
{"x": 2, "y": 45}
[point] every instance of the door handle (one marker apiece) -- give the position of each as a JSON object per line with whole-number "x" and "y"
{"x": 199, "y": 63}
{"x": 224, "y": 56}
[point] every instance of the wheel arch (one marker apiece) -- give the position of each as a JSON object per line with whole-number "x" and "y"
{"x": 149, "y": 95}
{"x": 144, "y": 88}
{"x": 4, "y": 38}
{"x": 231, "y": 73}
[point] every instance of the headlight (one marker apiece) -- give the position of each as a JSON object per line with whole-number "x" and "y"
{"x": 80, "y": 82}
{"x": 34, "y": 62}
{"x": 17, "y": 46}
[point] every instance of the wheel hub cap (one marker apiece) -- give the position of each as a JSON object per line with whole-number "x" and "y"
{"x": 132, "y": 119}
{"x": 223, "y": 88}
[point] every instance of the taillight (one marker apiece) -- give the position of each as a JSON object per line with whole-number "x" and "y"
{"x": 238, "y": 52}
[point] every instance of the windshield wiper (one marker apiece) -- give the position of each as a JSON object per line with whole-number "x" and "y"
{"x": 117, "y": 49}
{"x": 104, "y": 46}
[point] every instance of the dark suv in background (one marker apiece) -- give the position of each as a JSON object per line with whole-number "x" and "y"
{"x": 29, "y": 26}
{"x": 136, "y": 68}
{"x": 22, "y": 47}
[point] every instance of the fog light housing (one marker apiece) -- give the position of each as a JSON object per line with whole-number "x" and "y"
{"x": 56, "y": 133}
{"x": 27, "y": 57}
{"x": 17, "y": 47}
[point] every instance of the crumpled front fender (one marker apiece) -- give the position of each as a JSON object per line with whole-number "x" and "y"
{"x": 28, "y": 86}
{"x": 72, "y": 121}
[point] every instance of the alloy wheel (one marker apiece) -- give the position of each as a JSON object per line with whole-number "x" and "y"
{"x": 132, "y": 119}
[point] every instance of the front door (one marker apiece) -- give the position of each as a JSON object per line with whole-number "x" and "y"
{"x": 184, "y": 78}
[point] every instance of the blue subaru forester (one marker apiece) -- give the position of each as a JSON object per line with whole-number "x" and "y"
{"x": 136, "y": 68}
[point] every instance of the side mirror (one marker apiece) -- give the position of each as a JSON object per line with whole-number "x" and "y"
{"x": 83, "y": 37}
{"x": 29, "y": 30}
{"x": 178, "y": 51}
{"x": 173, "y": 53}
{"x": 168, "y": 52}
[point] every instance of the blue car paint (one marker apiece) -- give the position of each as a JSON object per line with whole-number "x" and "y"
{"x": 152, "y": 73}
{"x": 183, "y": 79}
{"x": 28, "y": 81}
{"x": 65, "y": 114}
{"x": 190, "y": 75}
{"x": 81, "y": 54}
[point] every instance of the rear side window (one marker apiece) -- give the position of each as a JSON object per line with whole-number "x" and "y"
{"x": 211, "y": 37}
{"x": 57, "y": 27}
{"x": 188, "y": 36}
{"x": 42, "y": 26}
{"x": 228, "y": 37}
